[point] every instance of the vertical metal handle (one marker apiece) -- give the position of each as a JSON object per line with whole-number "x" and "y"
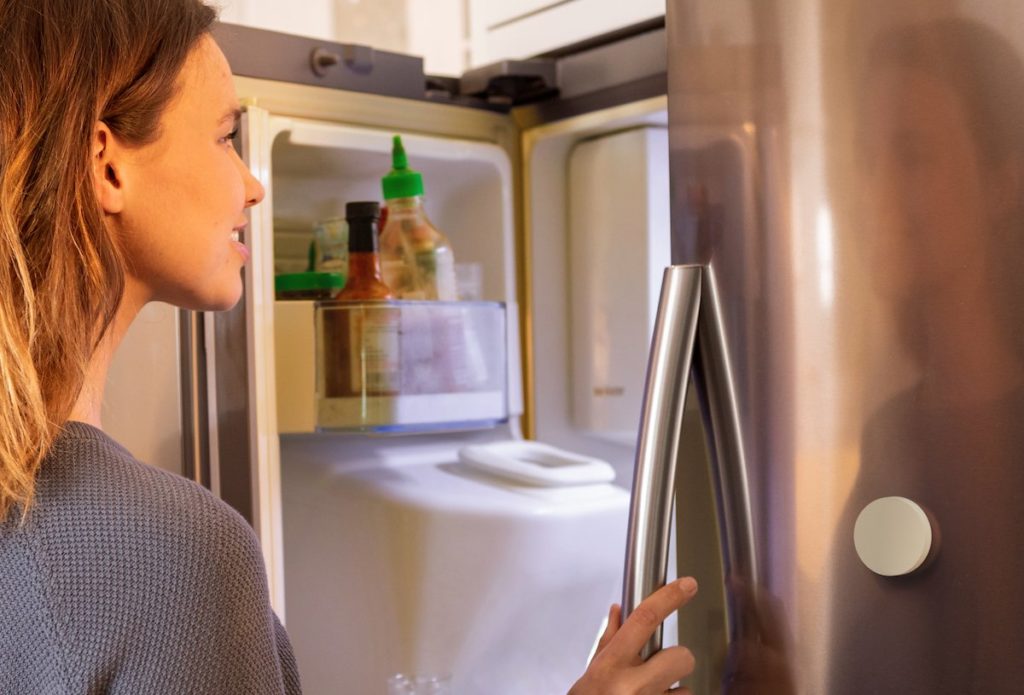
{"x": 717, "y": 393}
{"x": 668, "y": 376}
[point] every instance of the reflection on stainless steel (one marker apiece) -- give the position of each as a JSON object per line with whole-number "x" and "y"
{"x": 668, "y": 370}
{"x": 234, "y": 458}
{"x": 868, "y": 291}
{"x": 194, "y": 403}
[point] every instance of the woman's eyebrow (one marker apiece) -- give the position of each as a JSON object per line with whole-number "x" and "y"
{"x": 233, "y": 114}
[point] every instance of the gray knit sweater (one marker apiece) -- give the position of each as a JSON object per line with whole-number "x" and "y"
{"x": 126, "y": 579}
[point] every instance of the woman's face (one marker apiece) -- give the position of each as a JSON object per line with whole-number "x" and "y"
{"x": 184, "y": 195}
{"x": 928, "y": 204}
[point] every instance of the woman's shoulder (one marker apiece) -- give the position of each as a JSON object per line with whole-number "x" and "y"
{"x": 120, "y": 553}
{"x": 92, "y": 489}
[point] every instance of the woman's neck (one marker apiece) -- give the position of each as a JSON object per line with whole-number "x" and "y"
{"x": 88, "y": 408}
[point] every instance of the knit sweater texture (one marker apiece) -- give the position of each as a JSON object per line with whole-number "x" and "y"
{"x": 126, "y": 579}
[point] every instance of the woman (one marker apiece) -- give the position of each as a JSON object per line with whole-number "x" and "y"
{"x": 119, "y": 185}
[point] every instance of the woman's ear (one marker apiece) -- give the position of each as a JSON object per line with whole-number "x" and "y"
{"x": 106, "y": 158}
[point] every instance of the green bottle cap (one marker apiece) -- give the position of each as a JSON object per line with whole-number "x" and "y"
{"x": 401, "y": 181}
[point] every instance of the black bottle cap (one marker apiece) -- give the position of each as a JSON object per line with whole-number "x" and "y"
{"x": 362, "y": 226}
{"x": 362, "y": 209}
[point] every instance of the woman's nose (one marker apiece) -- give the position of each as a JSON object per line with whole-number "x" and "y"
{"x": 254, "y": 191}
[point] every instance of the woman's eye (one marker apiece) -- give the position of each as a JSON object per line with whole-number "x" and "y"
{"x": 230, "y": 136}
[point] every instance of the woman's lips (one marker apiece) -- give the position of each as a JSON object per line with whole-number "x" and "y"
{"x": 243, "y": 251}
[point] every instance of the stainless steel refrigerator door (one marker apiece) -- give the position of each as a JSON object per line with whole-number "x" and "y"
{"x": 853, "y": 174}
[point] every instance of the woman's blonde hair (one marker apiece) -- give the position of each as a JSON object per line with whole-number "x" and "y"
{"x": 64, "y": 65}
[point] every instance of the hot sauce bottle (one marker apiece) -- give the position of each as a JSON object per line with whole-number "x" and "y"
{"x": 365, "y": 279}
{"x": 365, "y": 326}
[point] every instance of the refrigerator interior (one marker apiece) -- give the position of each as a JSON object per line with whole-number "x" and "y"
{"x": 344, "y": 539}
{"x": 316, "y": 168}
{"x": 397, "y": 558}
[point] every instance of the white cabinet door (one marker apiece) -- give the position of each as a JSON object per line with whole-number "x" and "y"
{"x": 307, "y": 18}
{"x": 502, "y": 29}
{"x": 494, "y": 13}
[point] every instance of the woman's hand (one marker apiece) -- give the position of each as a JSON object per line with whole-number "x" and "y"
{"x": 617, "y": 668}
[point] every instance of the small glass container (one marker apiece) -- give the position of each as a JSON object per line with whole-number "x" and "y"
{"x": 331, "y": 239}
{"x": 401, "y": 684}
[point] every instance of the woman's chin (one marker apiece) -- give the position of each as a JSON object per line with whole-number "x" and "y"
{"x": 224, "y": 302}
{"x": 213, "y": 299}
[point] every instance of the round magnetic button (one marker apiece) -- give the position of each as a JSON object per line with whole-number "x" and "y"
{"x": 893, "y": 536}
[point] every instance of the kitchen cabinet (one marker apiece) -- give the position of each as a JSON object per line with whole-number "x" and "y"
{"x": 313, "y": 18}
{"x": 502, "y": 29}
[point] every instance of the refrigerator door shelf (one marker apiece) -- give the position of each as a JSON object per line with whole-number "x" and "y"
{"x": 390, "y": 367}
{"x": 442, "y": 412}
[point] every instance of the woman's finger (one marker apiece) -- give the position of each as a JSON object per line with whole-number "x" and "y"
{"x": 668, "y": 666}
{"x": 645, "y": 619}
{"x": 614, "y": 619}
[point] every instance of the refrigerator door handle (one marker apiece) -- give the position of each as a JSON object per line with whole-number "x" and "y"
{"x": 716, "y": 391}
{"x": 654, "y": 475}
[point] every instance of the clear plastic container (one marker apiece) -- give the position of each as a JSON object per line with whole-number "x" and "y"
{"x": 403, "y": 366}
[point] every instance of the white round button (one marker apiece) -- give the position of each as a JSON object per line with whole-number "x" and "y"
{"x": 893, "y": 536}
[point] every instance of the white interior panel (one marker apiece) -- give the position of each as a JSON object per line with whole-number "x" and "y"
{"x": 619, "y": 244}
{"x": 548, "y": 155}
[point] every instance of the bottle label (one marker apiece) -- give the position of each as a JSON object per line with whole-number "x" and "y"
{"x": 374, "y": 345}
{"x": 400, "y": 280}
{"x": 436, "y": 269}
